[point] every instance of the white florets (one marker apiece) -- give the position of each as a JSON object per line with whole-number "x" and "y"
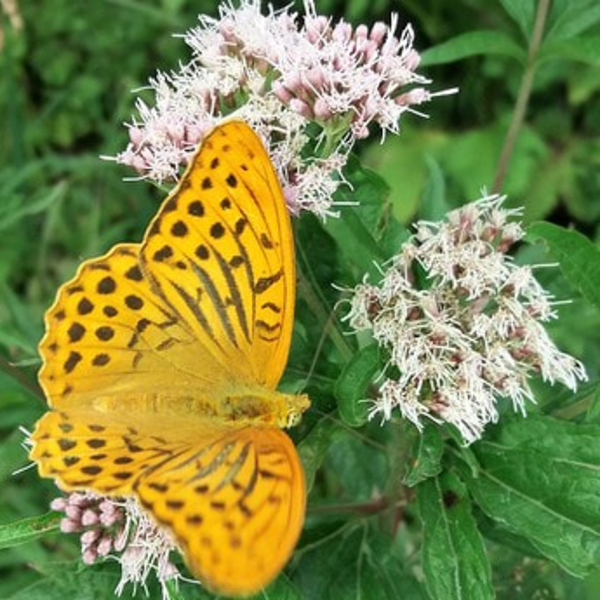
{"x": 280, "y": 73}
{"x": 473, "y": 335}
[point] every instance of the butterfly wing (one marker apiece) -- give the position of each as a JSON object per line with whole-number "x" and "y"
{"x": 236, "y": 506}
{"x": 233, "y": 497}
{"x": 211, "y": 286}
{"x": 220, "y": 254}
{"x": 109, "y": 334}
{"x": 202, "y": 308}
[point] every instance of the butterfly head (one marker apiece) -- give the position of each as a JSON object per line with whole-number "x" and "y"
{"x": 295, "y": 405}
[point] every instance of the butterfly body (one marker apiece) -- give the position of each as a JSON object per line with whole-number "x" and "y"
{"x": 160, "y": 363}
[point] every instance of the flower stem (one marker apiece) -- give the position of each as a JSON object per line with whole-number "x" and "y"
{"x": 522, "y": 101}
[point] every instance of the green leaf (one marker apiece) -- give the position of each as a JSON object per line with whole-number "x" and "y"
{"x": 25, "y": 530}
{"x": 522, "y": 13}
{"x": 426, "y": 456}
{"x": 314, "y": 446}
{"x": 281, "y": 589}
{"x": 434, "y": 205}
{"x": 578, "y": 258}
{"x": 472, "y": 44}
{"x": 354, "y": 563}
{"x": 582, "y": 49}
{"x": 356, "y": 229}
{"x": 454, "y": 559}
{"x": 355, "y": 241}
{"x": 593, "y": 413}
{"x": 353, "y": 383}
{"x": 540, "y": 478}
{"x": 570, "y": 18}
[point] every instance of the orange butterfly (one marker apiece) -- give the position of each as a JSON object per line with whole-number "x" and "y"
{"x": 160, "y": 363}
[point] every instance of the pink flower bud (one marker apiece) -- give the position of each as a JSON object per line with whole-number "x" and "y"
{"x": 58, "y": 504}
{"x": 73, "y": 512}
{"x": 89, "y": 517}
{"x": 89, "y": 556}
{"x": 301, "y": 107}
{"x": 378, "y": 32}
{"x": 104, "y": 545}
{"x": 321, "y": 110}
{"x": 89, "y": 537}
{"x": 282, "y": 92}
{"x": 69, "y": 526}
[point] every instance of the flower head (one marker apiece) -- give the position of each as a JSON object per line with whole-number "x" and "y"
{"x": 281, "y": 73}
{"x": 472, "y": 334}
{"x": 121, "y": 530}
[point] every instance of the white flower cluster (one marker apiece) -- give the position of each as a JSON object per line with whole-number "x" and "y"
{"x": 120, "y": 530}
{"x": 467, "y": 332}
{"x": 280, "y": 73}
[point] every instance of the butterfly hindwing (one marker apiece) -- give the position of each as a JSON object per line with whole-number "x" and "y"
{"x": 236, "y": 506}
{"x": 233, "y": 498}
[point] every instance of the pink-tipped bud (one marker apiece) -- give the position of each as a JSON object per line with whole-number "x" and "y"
{"x": 58, "y": 504}
{"x": 316, "y": 78}
{"x": 89, "y": 517}
{"x": 361, "y": 32}
{"x": 73, "y": 512}
{"x": 69, "y": 526}
{"x": 78, "y": 499}
{"x": 293, "y": 81}
{"x": 301, "y": 107}
{"x": 89, "y": 556}
{"x": 104, "y": 545}
{"x": 282, "y": 92}
{"x": 379, "y": 31}
{"x": 412, "y": 59}
{"x": 136, "y": 135}
{"x": 342, "y": 32}
{"x": 321, "y": 110}
{"x": 89, "y": 537}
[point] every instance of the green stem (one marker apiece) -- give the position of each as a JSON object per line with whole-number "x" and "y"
{"x": 371, "y": 507}
{"x": 522, "y": 101}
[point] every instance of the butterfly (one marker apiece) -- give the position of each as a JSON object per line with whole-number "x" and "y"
{"x": 161, "y": 362}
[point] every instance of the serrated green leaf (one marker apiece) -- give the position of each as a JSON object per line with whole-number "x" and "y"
{"x": 353, "y": 383}
{"x": 540, "y": 478}
{"x": 354, "y": 563}
{"x": 472, "y": 44}
{"x": 426, "y": 456}
{"x": 25, "y": 530}
{"x": 454, "y": 560}
{"x": 578, "y": 258}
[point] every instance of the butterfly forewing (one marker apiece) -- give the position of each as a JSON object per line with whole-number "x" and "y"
{"x": 109, "y": 333}
{"x": 220, "y": 253}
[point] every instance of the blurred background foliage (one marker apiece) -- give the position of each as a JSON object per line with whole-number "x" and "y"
{"x": 67, "y": 71}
